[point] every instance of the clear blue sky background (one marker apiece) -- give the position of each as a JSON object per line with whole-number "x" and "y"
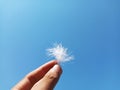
{"x": 89, "y": 28}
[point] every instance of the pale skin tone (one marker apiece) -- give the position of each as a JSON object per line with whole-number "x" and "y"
{"x": 43, "y": 78}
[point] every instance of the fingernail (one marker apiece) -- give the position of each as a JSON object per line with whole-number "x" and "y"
{"x": 56, "y": 68}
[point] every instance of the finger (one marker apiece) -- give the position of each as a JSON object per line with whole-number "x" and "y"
{"x": 34, "y": 76}
{"x": 49, "y": 81}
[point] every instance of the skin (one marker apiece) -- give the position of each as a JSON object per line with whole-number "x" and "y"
{"x": 43, "y": 78}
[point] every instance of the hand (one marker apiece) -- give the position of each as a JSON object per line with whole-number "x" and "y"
{"x": 43, "y": 78}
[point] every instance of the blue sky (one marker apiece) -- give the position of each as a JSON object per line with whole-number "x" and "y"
{"x": 89, "y": 28}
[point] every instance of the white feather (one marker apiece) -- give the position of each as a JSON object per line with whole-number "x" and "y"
{"x": 59, "y": 53}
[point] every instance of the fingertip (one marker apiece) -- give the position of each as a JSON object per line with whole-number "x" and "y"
{"x": 51, "y": 78}
{"x": 56, "y": 69}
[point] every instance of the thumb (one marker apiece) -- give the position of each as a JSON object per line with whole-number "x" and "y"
{"x": 49, "y": 81}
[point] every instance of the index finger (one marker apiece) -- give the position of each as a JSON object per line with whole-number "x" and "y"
{"x": 34, "y": 76}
